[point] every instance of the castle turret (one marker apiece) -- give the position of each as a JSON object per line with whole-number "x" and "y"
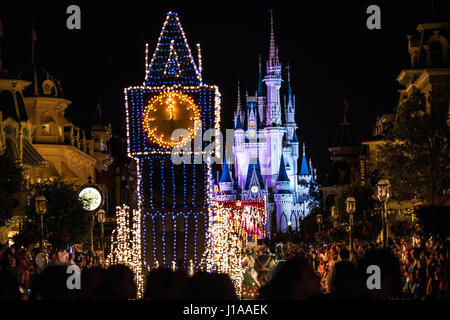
{"x": 283, "y": 198}
{"x": 239, "y": 112}
{"x": 289, "y": 111}
{"x": 226, "y": 183}
{"x": 273, "y": 82}
{"x": 252, "y": 121}
{"x": 304, "y": 170}
{"x": 260, "y": 95}
{"x": 239, "y": 148}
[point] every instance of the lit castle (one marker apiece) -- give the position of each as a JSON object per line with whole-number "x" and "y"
{"x": 266, "y": 152}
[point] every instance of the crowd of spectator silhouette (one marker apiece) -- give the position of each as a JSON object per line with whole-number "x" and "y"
{"x": 337, "y": 272}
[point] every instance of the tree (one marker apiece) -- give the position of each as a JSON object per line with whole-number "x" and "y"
{"x": 314, "y": 197}
{"x": 11, "y": 181}
{"x": 365, "y": 202}
{"x": 365, "y": 225}
{"x": 415, "y": 156}
{"x": 65, "y": 222}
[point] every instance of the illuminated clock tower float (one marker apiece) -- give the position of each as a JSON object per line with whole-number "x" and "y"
{"x": 173, "y": 198}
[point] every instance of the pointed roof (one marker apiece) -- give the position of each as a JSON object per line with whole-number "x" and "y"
{"x": 226, "y": 176}
{"x": 294, "y": 137}
{"x": 290, "y": 98}
{"x": 304, "y": 168}
{"x": 238, "y": 123}
{"x": 273, "y": 50}
{"x": 344, "y": 137}
{"x": 43, "y": 82}
{"x": 238, "y": 104}
{"x": 254, "y": 174}
{"x": 282, "y": 175}
{"x": 260, "y": 125}
{"x": 260, "y": 93}
{"x": 172, "y": 61}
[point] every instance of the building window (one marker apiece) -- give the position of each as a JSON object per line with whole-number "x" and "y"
{"x": 102, "y": 146}
{"x": 46, "y": 129}
{"x": 436, "y": 53}
{"x": 46, "y": 124}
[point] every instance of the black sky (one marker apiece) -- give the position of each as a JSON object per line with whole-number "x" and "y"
{"x": 327, "y": 45}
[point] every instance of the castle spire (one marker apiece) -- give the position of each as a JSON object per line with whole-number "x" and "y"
{"x": 294, "y": 137}
{"x": 238, "y": 106}
{"x": 304, "y": 168}
{"x": 260, "y": 87}
{"x": 282, "y": 175}
{"x": 290, "y": 98}
{"x": 273, "y": 51}
{"x": 226, "y": 175}
{"x": 238, "y": 123}
{"x": 346, "y": 107}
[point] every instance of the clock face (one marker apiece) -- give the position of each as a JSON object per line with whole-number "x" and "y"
{"x": 92, "y": 198}
{"x": 167, "y": 112}
{"x": 254, "y": 189}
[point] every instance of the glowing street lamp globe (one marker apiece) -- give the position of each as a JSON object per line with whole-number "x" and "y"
{"x": 384, "y": 190}
{"x": 350, "y": 205}
{"x": 91, "y": 197}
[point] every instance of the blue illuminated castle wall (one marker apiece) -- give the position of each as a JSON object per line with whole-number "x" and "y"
{"x": 267, "y": 161}
{"x": 174, "y": 199}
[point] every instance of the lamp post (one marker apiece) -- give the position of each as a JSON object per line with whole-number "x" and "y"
{"x": 289, "y": 229}
{"x": 350, "y": 204}
{"x": 41, "y": 209}
{"x": 333, "y": 216}
{"x": 101, "y": 218}
{"x": 384, "y": 192}
{"x": 319, "y": 220}
{"x": 91, "y": 236}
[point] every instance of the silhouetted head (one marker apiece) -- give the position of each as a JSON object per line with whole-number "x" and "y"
{"x": 211, "y": 286}
{"x": 346, "y": 281}
{"x": 163, "y": 283}
{"x": 52, "y": 284}
{"x": 9, "y": 286}
{"x": 118, "y": 283}
{"x": 92, "y": 280}
{"x": 295, "y": 279}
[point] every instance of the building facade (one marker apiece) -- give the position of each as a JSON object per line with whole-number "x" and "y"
{"x": 269, "y": 162}
{"x": 35, "y": 134}
{"x": 344, "y": 169}
{"x": 429, "y": 71}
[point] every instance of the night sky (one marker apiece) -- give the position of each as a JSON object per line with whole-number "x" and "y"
{"x": 328, "y": 46}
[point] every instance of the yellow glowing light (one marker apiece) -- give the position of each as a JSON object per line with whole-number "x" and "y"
{"x": 126, "y": 244}
{"x": 167, "y": 112}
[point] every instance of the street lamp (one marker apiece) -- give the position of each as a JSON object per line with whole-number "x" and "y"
{"x": 350, "y": 204}
{"x": 319, "y": 220}
{"x": 289, "y": 229}
{"x": 41, "y": 209}
{"x": 384, "y": 192}
{"x": 101, "y": 218}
